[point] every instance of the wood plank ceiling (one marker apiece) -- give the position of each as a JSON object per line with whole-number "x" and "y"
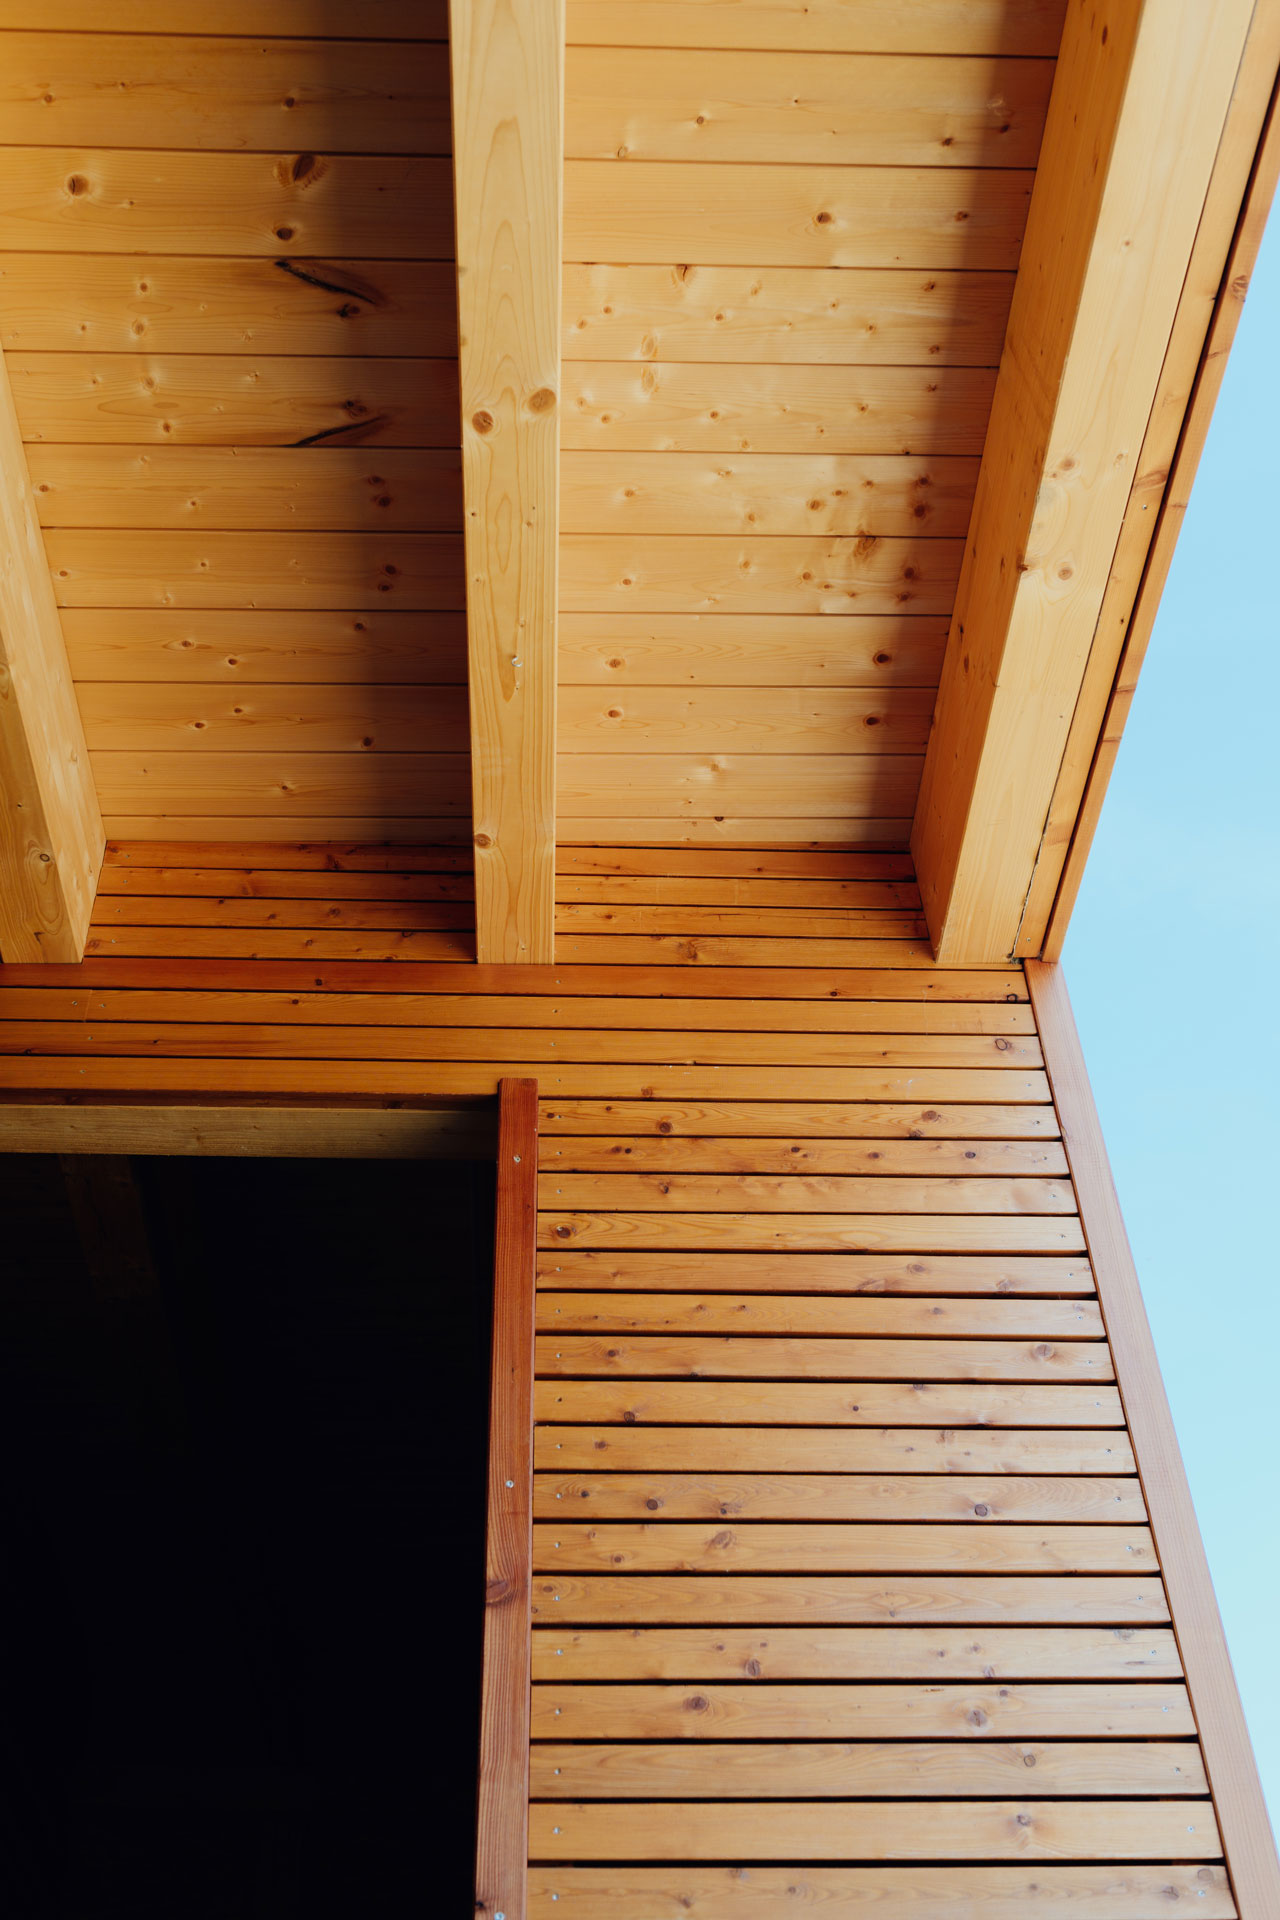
{"x": 228, "y": 309}
{"x": 790, "y": 243}
{"x": 227, "y": 305}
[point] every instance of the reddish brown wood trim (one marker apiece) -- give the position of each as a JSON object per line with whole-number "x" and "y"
{"x": 502, "y": 1848}
{"x": 1215, "y": 1699}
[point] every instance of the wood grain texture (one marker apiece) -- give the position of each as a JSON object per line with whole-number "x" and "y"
{"x": 746, "y": 650}
{"x": 847, "y": 1710}
{"x": 335, "y": 489}
{"x": 508, "y": 96}
{"x": 921, "y": 1451}
{"x": 1226, "y": 250}
{"x": 844, "y": 1599}
{"x": 701, "y": 573}
{"x": 502, "y": 1816}
{"x": 384, "y": 19}
{"x": 1137, "y": 113}
{"x": 916, "y": 1893}
{"x": 715, "y": 103}
{"x": 786, "y": 216}
{"x": 140, "y": 715}
{"x": 244, "y": 399}
{"x": 938, "y": 1830}
{"x": 93, "y": 199}
{"x": 821, "y": 26}
{"x": 765, "y": 494}
{"x": 815, "y": 1403}
{"x": 192, "y": 90}
{"x": 843, "y": 1770}
{"x": 1250, "y": 1848}
{"x": 674, "y": 407}
{"x": 172, "y": 303}
{"x": 795, "y": 1495}
{"x": 833, "y": 316}
{"x": 51, "y": 832}
{"x": 234, "y": 646}
{"x": 740, "y": 719}
{"x": 279, "y": 1132}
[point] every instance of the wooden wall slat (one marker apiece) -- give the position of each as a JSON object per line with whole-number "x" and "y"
{"x": 502, "y": 1815}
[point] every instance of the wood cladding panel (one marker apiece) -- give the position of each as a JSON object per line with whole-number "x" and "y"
{"x": 233, "y": 647}
{"x": 709, "y": 104}
{"x": 142, "y": 399}
{"x": 151, "y": 89}
{"x": 1029, "y": 27}
{"x": 836, "y": 316}
{"x": 790, "y": 244}
{"x": 787, "y": 216}
{"x": 229, "y": 277}
{"x": 841, "y": 1557}
{"x": 177, "y": 303}
{"x": 735, "y": 408}
{"x": 94, "y": 199}
{"x": 337, "y": 489}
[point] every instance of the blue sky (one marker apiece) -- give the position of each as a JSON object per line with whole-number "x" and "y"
{"x": 1172, "y": 961}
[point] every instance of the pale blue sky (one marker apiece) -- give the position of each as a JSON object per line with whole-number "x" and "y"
{"x": 1172, "y": 962}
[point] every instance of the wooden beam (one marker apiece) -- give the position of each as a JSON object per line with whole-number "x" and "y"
{"x": 1224, "y": 1737}
{"x": 502, "y": 1846}
{"x": 508, "y": 103}
{"x": 1077, "y": 804}
{"x": 1139, "y": 103}
{"x": 51, "y": 834}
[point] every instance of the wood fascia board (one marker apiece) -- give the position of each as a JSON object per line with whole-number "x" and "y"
{"x": 1075, "y": 814}
{"x": 508, "y": 108}
{"x": 1224, "y": 1737}
{"x": 502, "y": 1819}
{"x": 271, "y": 1130}
{"x": 1135, "y": 122}
{"x": 51, "y": 834}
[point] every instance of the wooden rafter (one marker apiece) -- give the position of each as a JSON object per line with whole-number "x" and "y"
{"x": 51, "y": 838}
{"x": 508, "y": 66}
{"x": 1139, "y": 105}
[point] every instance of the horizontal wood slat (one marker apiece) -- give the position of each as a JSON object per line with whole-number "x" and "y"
{"x": 821, "y": 26}
{"x": 829, "y": 316}
{"x": 965, "y": 1830}
{"x": 848, "y": 1710}
{"x": 851, "y": 1450}
{"x": 713, "y": 103}
{"x": 674, "y": 407}
{"x": 840, "y": 1599}
{"x": 870, "y": 1769}
{"x": 155, "y": 89}
{"x": 94, "y": 199}
{"x": 786, "y": 216}
{"x": 172, "y": 303}
{"x": 997, "y": 1892}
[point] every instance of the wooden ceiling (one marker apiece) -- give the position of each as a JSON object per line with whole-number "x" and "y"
{"x": 735, "y": 285}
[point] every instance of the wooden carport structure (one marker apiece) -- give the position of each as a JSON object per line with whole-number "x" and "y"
{"x": 699, "y": 733}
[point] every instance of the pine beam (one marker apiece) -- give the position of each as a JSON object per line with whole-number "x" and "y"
{"x": 508, "y": 104}
{"x": 1140, "y": 99}
{"x": 51, "y": 837}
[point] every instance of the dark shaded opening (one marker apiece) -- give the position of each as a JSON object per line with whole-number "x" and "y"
{"x": 241, "y": 1535}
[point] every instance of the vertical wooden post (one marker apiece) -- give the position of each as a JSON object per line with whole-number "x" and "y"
{"x": 1215, "y": 1700}
{"x": 51, "y": 838}
{"x": 508, "y": 117}
{"x": 502, "y": 1835}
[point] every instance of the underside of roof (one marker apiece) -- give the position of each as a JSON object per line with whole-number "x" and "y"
{"x": 832, "y": 380}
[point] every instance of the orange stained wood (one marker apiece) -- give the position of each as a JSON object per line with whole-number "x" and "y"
{"x": 847, "y": 1542}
